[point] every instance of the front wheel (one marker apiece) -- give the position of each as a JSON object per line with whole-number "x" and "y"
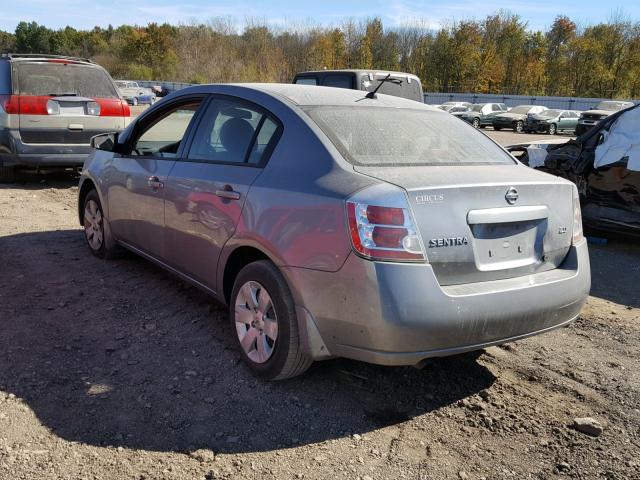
{"x": 96, "y": 231}
{"x": 263, "y": 316}
{"x": 519, "y": 126}
{"x": 476, "y": 123}
{"x": 553, "y": 129}
{"x": 134, "y": 101}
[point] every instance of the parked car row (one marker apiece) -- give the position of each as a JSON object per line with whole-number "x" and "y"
{"x": 532, "y": 118}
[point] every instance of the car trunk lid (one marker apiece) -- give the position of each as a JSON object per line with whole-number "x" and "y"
{"x": 486, "y": 222}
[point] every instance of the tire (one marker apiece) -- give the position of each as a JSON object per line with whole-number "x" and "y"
{"x": 553, "y": 129}
{"x": 476, "y": 123}
{"x": 518, "y": 126}
{"x": 134, "y": 101}
{"x": 96, "y": 230}
{"x": 272, "y": 349}
{"x": 7, "y": 174}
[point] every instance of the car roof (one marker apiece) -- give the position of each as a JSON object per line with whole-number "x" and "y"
{"x": 358, "y": 71}
{"x": 36, "y": 57}
{"x": 311, "y": 95}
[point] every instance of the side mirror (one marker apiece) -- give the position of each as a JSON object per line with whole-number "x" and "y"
{"x": 107, "y": 142}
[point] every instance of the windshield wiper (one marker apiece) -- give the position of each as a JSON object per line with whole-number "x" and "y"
{"x": 372, "y": 93}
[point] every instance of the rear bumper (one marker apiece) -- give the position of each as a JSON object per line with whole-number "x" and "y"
{"x": 398, "y": 314}
{"x": 40, "y": 155}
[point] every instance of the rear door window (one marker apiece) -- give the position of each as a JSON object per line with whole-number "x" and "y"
{"x": 338, "y": 81}
{"x": 306, "y": 81}
{"x": 234, "y": 131}
{"x": 5, "y": 78}
{"x": 56, "y": 79}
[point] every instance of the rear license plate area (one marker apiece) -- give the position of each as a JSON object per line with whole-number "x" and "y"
{"x": 500, "y": 246}
{"x": 71, "y": 109}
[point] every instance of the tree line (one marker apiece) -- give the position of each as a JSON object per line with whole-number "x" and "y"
{"x": 498, "y": 54}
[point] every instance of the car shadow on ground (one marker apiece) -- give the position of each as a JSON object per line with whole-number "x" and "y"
{"x": 36, "y": 180}
{"x": 120, "y": 353}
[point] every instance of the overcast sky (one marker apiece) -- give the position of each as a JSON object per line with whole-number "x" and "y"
{"x": 83, "y": 14}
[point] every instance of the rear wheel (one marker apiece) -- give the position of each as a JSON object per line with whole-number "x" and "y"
{"x": 476, "y": 122}
{"x": 519, "y": 126}
{"x": 263, "y": 316}
{"x": 553, "y": 129}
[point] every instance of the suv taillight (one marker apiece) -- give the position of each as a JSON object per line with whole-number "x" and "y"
{"x": 10, "y": 104}
{"x": 383, "y": 228}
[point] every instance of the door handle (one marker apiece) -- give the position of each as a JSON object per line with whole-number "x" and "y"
{"x": 155, "y": 183}
{"x": 228, "y": 193}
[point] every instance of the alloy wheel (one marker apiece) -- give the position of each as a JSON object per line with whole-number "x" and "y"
{"x": 93, "y": 225}
{"x": 256, "y": 322}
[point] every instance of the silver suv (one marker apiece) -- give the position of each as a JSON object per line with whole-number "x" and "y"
{"x": 335, "y": 224}
{"x": 50, "y": 107}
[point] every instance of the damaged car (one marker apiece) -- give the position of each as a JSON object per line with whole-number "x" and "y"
{"x": 590, "y": 118}
{"x": 604, "y": 163}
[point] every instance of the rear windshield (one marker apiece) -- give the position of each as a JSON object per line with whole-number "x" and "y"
{"x": 396, "y": 86}
{"x": 373, "y": 136}
{"x": 62, "y": 79}
{"x": 549, "y": 113}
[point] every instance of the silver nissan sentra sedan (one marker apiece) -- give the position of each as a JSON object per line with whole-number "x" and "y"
{"x": 334, "y": 224}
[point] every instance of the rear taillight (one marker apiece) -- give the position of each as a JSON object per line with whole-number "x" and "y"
{"x": 24, "y": 104}
{"x": 126, "y": 111}
{"x": 578, "y": 235}
{"x": 113, "y": 107}
{"x": 381, "y": 225}
{"x": 93, "y": 108}
{"x": 10, "y": 104}
{"x": 53, "y": 107}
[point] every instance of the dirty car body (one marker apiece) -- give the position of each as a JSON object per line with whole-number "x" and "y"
{"x": 400, "y": 232}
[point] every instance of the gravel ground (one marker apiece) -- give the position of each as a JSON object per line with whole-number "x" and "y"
{"x": 118, "y": 370}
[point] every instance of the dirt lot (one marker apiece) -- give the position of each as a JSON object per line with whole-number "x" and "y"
{"x": 117, "y": 370}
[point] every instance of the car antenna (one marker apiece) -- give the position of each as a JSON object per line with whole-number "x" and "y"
{"x": 372, "y": 93}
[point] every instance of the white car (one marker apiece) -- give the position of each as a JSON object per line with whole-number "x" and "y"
{"x": 134, "y": 94}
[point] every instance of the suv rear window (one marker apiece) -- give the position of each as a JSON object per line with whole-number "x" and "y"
{"x": 373, "y": 136}
{"x": 49, "y": 78}
{"x": 396, "y": 86}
